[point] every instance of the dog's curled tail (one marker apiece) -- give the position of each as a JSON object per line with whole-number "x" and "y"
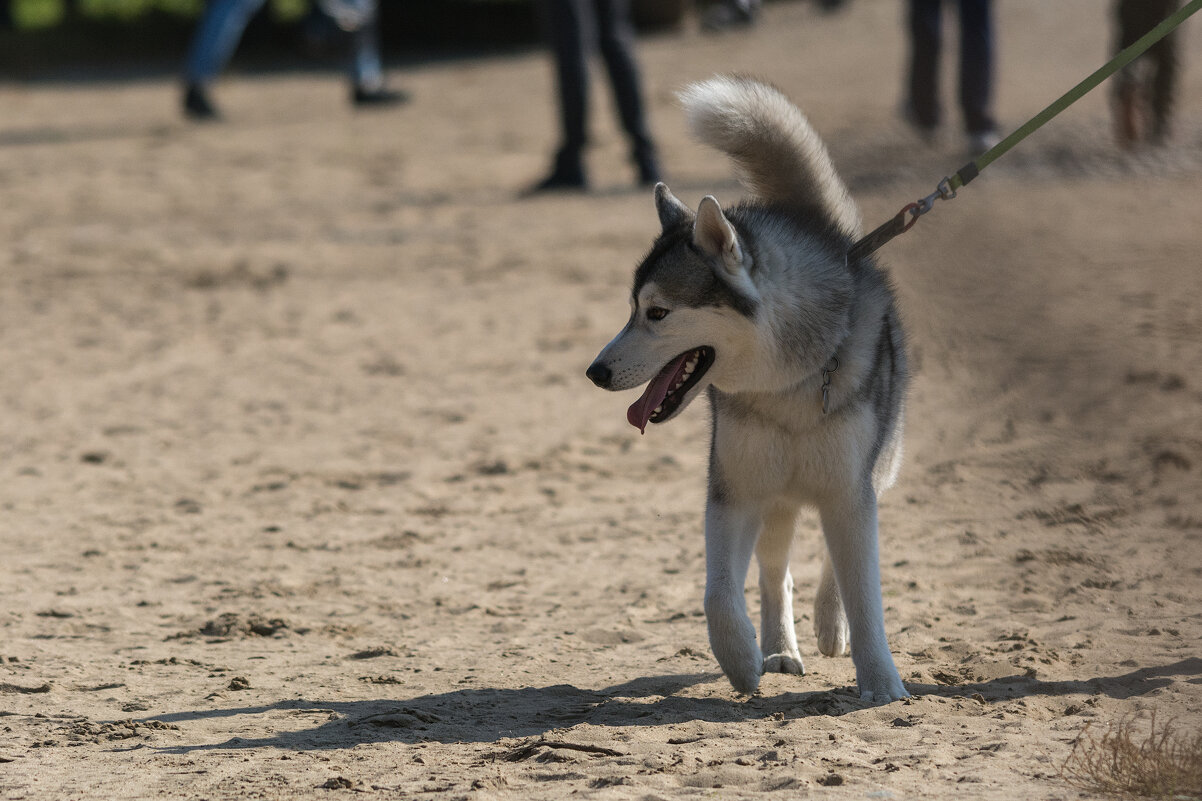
{"x": 779, "y": 156}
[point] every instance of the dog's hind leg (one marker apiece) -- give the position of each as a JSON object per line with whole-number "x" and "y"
{"x": 778, "y": 639}
{"x": 730, "y": 537}
{"x": 830, "y": 621}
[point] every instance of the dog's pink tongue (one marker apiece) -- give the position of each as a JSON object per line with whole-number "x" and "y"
{"x": 641, "y": 410}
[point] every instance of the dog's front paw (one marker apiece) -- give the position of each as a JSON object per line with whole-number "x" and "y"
{"x": 741, "y": 661}
{"x": 745, "y": 676}
{"x": 882, "y": 689}
{"x": 733, "y": 639}
{"x": 784, "y": 663}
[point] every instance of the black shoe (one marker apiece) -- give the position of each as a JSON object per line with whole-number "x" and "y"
{"x": 378, "y": 98}
{"x": 197, "y": 105}
{"x": 567, "y": 174}
{"x": 558, "y": 182}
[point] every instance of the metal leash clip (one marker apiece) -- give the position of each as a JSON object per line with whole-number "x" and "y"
{"x": 831, "y": 367}
{"x": 920, "y": 207}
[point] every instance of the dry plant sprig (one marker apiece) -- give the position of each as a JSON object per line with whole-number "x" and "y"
{"x": 1166, "y": 763}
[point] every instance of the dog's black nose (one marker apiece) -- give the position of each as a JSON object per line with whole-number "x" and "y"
{"x": 599, "y": 374}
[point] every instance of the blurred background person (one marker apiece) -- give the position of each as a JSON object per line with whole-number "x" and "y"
{"x": 572, "y": 27}
{"x": 221, "y": 28}
{"x": 922, "y": 107}
{"x": 1145, "y": 88}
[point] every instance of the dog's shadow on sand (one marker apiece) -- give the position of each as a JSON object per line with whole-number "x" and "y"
{"x": 490, "y": 715}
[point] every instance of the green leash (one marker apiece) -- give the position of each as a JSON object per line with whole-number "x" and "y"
{"x": 946, "y": 189}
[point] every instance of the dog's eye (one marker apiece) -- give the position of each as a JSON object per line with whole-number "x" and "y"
{"x": 656, "y": 313}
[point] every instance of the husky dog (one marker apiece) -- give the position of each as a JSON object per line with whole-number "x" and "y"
{"x": 803, "y": 358}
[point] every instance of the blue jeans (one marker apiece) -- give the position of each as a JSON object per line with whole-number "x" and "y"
{"x": 976, "y": 63}
{"x": 220, "y": 29}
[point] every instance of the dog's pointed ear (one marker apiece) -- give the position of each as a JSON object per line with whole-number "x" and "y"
{"x": 671, "y": 211}
{"x": 714, "y": 236}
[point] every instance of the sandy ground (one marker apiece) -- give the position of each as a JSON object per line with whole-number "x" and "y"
{"x": 303, "y": 490}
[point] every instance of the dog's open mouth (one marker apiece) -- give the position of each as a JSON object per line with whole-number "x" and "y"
{"x": 665, "y": 392}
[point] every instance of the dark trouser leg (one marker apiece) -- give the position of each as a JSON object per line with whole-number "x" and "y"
{"x": 976, "y": 65}
{"x": 616, "y": 41}
{"x": 1164, "y": 82}
{"x": 1131, "y": 17}
{"x": 1136, "y": 18}
{"x": 926, "y": 38}
{"x": 566, "y": 34}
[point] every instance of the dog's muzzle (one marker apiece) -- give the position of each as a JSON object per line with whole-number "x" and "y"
{"x": 599, "y": 374}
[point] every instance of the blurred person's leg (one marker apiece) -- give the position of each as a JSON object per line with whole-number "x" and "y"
{"x": 616, "y": 41}
{"x": 1138, "y": 97}
{"x": 1164, "y": 67}
{"x": 926, "y": 40}
{"x": 1164, "y": 87}
{"x": 565, "y": 21}
{"x": 976, "y": 73}
{"x": 367, "y": 70}
{"x": 1129, "y": 15}
{"x": 213, "y": 44}
{"x": 216, "y": 37}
